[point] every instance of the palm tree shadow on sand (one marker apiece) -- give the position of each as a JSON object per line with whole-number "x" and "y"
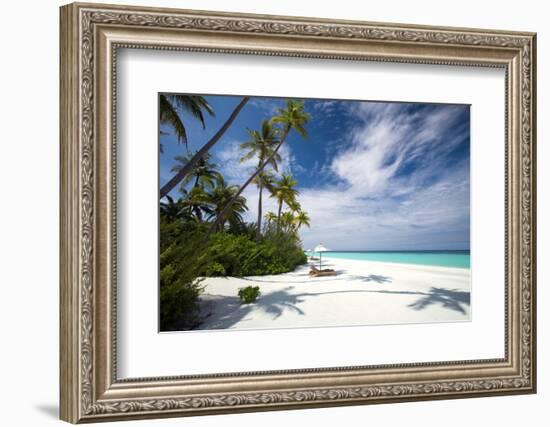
{"x": 229, "y": 311}
{"x": 451, "y": 299}
{"x": 376, "y": 278}
{"x": 447, "y": 298}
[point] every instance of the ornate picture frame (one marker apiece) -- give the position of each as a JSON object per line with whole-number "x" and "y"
{"x": 90, "y": 37}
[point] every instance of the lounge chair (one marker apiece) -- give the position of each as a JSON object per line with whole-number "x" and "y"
{"x": 315, "y": 272}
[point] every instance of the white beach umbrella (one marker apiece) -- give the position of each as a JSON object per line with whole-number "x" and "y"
{"x": 320, "y": 248}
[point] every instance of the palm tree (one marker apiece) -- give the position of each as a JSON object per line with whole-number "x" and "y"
{"x": 284, "y": 192}
{"x": 286, "y": 222}
{"x": 171, "y": 106}
{"x": 204, "y": 171}
{"x": 196, "y": 203}
{"x": 218, "y": 199}
{"x": 292, "y": 117}
{"x": 301, "y": 218}
{"x": 184, "y": 171}
{"x": 261, "y": 145}
{"x": 171, "y": 209}
{"x": 270, "y": 217}
{"x": 264, "y": 180}
{"x": 294, "y": 205}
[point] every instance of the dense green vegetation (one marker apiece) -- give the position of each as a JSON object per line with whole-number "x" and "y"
{"x": 203, "y": 233}
{"x": 240, "y": 255}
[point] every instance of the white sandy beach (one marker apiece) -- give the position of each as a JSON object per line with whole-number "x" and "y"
{"x": 362, "y": 293}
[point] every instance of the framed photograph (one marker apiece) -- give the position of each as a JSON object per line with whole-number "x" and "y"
{"x": 266, "y": 213}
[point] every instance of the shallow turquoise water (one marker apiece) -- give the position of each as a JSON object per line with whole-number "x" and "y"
{"x": 456, "y": 259}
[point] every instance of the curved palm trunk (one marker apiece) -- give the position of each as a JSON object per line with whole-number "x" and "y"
{"x": 249, "y": 180}
{"x": 182, "y": 173}
{"x": 259, "y": 224}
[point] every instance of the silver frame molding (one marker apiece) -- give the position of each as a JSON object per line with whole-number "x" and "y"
{"x": 90, "y": 37}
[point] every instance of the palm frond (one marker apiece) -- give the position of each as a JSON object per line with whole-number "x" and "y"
{"x": 192, "y": 104}
{"x": 251, "y": 154}
{"x": 169, "y": 115}
{"x": 301, "y": 130}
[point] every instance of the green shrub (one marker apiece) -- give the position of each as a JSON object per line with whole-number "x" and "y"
{"x": 249, "y": 294}
{"x": 180, "y": 285}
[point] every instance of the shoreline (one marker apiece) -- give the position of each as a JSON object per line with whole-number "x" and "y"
{"x": 390, "y": 264}
{"x": 396, "y": 263}
{"x": 362, "y": 293}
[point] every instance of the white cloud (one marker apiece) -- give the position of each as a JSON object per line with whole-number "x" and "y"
{"x": 228, "y": 157}
{"x": 342, "y": 220}
{"x": 325, "y": 107}
{"x": 374, "y": 157}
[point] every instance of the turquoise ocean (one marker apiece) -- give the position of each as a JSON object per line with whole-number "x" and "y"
{"x": 455, "y": 259}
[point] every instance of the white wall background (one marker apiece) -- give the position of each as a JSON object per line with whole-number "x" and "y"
{"x": 29, "y": 170}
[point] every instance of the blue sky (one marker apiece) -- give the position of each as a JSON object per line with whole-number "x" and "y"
{"x": 371, "y": 175}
